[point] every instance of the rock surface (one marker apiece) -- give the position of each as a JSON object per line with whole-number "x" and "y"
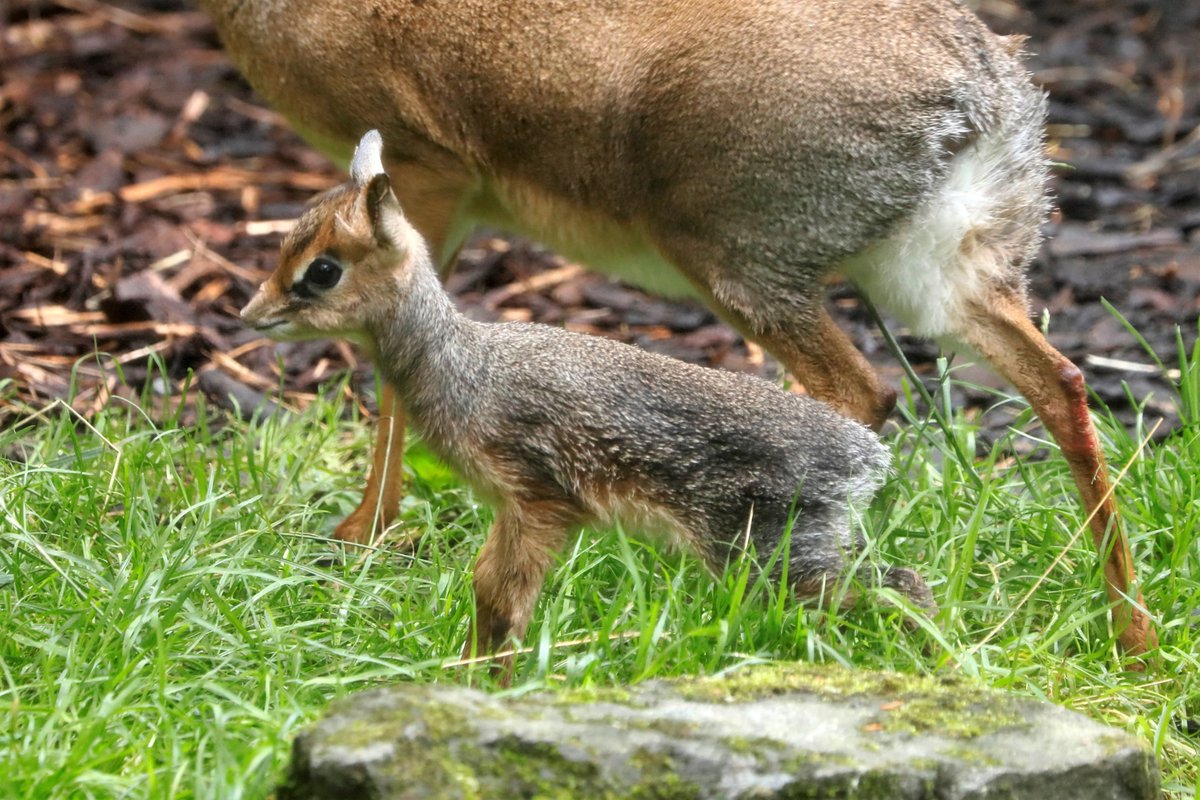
{"x": 770, "y": 732}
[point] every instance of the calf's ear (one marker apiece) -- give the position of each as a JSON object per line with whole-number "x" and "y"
{"x": 383, "y": 210}
{"x": 367, "y": 161}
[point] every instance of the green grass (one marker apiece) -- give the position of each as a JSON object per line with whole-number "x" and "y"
{"x": 170, "y": 616}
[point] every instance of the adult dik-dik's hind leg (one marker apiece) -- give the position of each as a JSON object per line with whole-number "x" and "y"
{"x": 821, "y": 357}
{"x": 1000, "y": 330}
{"x": 831, "y": 368}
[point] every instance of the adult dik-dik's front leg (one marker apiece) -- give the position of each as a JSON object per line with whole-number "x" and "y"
{"x": 385, "y": 483}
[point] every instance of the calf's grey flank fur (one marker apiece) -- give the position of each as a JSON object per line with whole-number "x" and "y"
{"x": 559, "y": 429}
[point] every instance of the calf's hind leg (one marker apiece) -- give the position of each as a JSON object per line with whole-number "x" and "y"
{"x": 816, "y": 574}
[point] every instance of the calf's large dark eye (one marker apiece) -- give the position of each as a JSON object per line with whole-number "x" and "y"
{"x": 323, "y": 273}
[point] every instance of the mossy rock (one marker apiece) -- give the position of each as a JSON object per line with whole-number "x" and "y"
{"x": 793, "y": 731}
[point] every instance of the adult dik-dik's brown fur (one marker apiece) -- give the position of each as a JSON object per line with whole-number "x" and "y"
{"x": 559, "y": 429}
{"x": 737, "y": 151}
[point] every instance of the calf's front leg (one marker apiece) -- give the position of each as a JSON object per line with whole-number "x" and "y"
{"x": 509, "y": 574}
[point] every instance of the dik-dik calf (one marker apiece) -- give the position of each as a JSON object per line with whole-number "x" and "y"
{"x": 736, "y": 151}
{"x": 560, "y": 429}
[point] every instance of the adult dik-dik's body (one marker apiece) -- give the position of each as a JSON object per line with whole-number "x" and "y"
{"x": 738, "y": 151}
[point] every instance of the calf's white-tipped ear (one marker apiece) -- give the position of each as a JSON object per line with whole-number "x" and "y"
{"x": 368, "y": 158}
{"x": 387, "y": 220}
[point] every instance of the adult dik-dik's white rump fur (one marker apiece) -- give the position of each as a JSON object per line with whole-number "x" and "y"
{"x": 739, "y": 151}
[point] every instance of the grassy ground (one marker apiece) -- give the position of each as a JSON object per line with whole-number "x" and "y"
{"x": 170, "y": 617}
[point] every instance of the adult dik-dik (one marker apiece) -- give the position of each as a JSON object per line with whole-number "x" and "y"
{"x": 737, "y": 151}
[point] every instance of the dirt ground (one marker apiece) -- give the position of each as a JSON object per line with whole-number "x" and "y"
{"x": 144, "y": 189}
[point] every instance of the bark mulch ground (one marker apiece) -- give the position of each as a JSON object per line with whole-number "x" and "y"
{"x": 144, "y": 189}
